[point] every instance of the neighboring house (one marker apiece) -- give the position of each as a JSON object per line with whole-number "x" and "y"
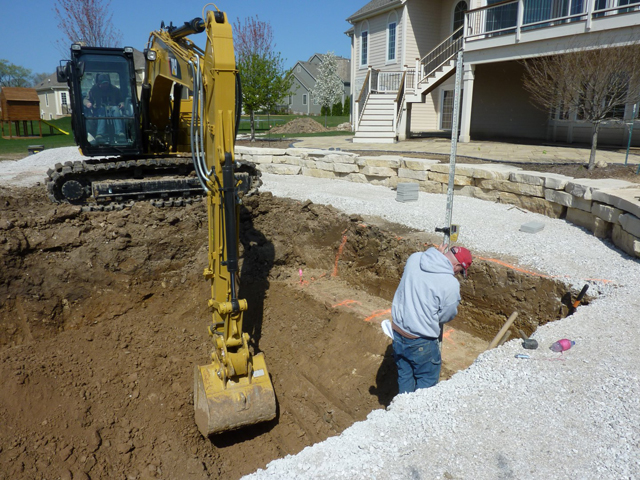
{"x": 403, "y": 63}
{"x": 54, "y": 96}
{"x": 305, "y": 74}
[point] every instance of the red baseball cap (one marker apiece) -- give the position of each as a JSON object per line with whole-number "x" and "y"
{"x": 464, "y": 258}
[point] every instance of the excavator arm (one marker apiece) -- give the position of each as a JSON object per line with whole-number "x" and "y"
{"x": 235, "y": 389}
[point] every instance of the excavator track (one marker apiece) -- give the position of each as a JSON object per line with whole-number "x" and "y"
{"x": 117, "y": 183}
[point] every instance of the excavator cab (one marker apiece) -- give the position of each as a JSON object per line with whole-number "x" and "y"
{"x": 104, "y": 100}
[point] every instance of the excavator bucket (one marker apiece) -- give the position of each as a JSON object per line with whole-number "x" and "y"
{"x": 238, "y": 402}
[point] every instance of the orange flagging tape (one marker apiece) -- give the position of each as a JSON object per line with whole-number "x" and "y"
{"x": 335, "y": 267}
{"x": 513, "y": 267}
{"x": 377, "y": 313}
{"x": 346, "y": 303}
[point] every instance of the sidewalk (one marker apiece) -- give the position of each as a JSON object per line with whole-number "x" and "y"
{"x": 491, "y": 151}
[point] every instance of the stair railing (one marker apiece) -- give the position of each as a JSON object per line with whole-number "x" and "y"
{"x": 398, "y": 103}
{"x": 440, "y": 55}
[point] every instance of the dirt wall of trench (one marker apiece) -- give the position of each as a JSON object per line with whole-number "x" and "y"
{"x": 103, "y": 315}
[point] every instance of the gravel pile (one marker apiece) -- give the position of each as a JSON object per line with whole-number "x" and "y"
{"x": 549, "y": 416}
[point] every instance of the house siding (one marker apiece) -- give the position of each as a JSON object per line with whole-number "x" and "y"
{"x": 501, "y": 107}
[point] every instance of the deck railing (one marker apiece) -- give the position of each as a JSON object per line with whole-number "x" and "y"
{"x": 515, "y": 16}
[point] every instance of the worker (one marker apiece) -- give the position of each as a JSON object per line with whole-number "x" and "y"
{"x": 105, "y": 100}
{"x": 426, "y": 299}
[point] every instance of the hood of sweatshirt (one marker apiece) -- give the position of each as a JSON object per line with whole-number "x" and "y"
{"x": 433, "y": 261}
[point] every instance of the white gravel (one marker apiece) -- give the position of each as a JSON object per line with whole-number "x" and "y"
{"x": 502, "y": 418}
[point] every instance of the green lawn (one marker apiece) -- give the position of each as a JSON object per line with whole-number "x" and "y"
{"x": 265, "y": 122}
{"x": 51, "y": 138}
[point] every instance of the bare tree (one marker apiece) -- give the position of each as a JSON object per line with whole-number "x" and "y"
{"x": 265, "y": 82}
{"x": 87, "y": 21}
{"x": 595, "y": 84}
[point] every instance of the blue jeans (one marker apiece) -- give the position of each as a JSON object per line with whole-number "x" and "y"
{"x": 418, "y": 361}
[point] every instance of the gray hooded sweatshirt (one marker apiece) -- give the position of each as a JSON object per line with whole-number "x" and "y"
{"x": 428, "y": 294}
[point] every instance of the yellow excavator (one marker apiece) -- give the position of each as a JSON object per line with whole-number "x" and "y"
{"x": 235, "y": 389}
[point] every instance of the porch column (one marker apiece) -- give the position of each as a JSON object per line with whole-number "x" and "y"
{"x": 468, "y": 75}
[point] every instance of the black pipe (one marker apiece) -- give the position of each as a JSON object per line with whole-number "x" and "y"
{"x": 228, "y": 191}
{"x": 194, "y": 26}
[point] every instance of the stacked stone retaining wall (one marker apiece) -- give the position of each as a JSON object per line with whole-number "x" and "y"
{"x": 609, "y": 208}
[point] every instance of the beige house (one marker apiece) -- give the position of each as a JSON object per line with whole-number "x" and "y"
{"x": 54, "y": 98}
{"x": 403, "y": 64}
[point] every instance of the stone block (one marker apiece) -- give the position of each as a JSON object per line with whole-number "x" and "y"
{"x": 625, "y": 241}
{"x": 412, "y": 174}
{"x": 444, "y": 178}
{"x": 626, "y": 199}
{"x": 280, "y": 169}
{"x": 418, "y": 163}
{"x": 534, "y": 204}
{"x": 315, "y": 172}
{"x": 345, "y": 168}
{"x": 341, "y": 158}
{"x": 286, "y": 159}
{"x": 606, "y": 212}
{"x": 384, "y": 161}
{"x": 547, "y": 180}
{"x": 308, "y": 163}
{"x": 596, "y": 225}
{"x": 492, "y": 171}
{"x": 566, "y": 199}
{"x": 487, "y": 195}
{"x": 370, "y": 171}
{"x": 297, "y": 152}
{"x": 630, "y": 223}
{"x": 466, "y": 190}
{"x": 429, "y": 186}
{"x": 259, "y": 151}
{"x": 512, "y": 187}
{"x": 356, "y": 178}
{"x": 258, "y": 159}
{"x": 584, "y": 187}
{"x": 322, "y": 165}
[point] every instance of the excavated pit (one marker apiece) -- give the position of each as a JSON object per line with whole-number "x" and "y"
{"x": 103, "y": 316}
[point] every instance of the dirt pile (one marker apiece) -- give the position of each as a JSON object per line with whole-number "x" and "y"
{"x": 300, "y": 125}
{"x": 103, "y": 315}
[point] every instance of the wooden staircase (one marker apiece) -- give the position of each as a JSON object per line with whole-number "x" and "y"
{"x": 376, "y": 123}
{"x": 376, "y": 105}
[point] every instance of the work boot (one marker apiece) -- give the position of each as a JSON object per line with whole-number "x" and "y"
{"x": 99, "y": 139}
{"x": 120, "y": 138}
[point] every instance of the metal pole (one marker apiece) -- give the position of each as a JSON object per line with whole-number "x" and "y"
{"x": 454, "y": 146}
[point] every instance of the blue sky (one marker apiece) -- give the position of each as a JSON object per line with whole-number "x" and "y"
{"x": 301, "y": 28}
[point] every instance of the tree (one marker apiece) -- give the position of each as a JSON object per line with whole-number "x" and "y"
{"x": 346, "y": 110}
{"x": 265, "y": 82}
{"x": 329, "y": 87}
{"x": 14, "y": 75}
{"x": 593, "y": 84}
{"x": 87, "y": 21}
{"x": 38, "y": 78}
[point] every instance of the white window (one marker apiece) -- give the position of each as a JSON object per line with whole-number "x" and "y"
{"x": 391, "y": 42}
{"x": 46, "y": 99}
{"x": 304, "y": 98}
{"x": 63, "y": 98}
{"x": 364, "y": 48}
